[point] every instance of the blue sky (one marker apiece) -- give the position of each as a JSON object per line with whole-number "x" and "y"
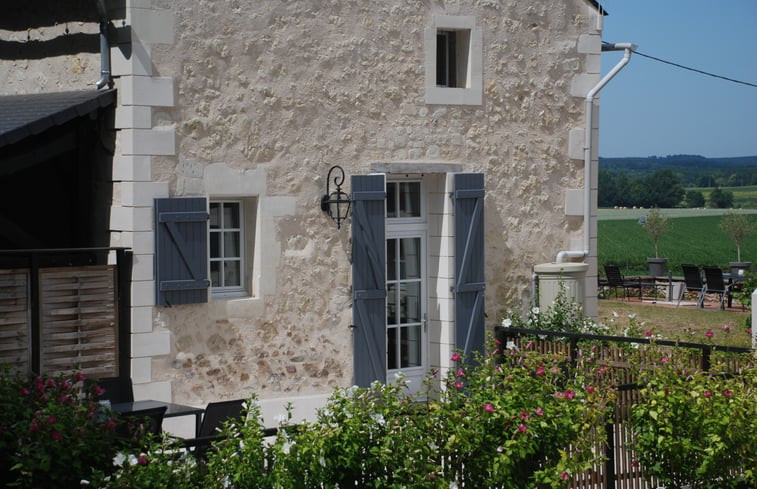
{"x": 651, "y": 108}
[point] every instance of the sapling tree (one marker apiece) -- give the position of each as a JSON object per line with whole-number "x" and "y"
{"x": 656, "y": 224}
{"x": 737, "y": 227}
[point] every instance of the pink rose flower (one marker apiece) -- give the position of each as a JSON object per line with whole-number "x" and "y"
{"x": 539, "y": 411}
{"x": 708, "y": 334}
{"x": 540, "y": 371}
{"x": 522, "y": 428}
{"x": 458, "y": 385}
{"x": 456, "y": 357}
{"x": 727, "y": 393}
{"x": 590, "y": 389}
{"x": 460, "y": 373}
{"x": 707, "y": 394}
{"x": 488, "y": 408}
{"x": 55, "y": 436}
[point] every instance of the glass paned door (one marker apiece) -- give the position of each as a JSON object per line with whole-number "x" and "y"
{"x": 405, "y": 306}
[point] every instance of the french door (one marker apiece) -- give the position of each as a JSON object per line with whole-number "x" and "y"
{"x": 406, "y": 294}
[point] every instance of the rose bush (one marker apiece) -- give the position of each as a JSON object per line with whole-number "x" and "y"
{"x": 695, "y": 428}
{"x": 52, "y": 431}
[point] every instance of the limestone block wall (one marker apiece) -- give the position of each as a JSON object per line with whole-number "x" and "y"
{"x": 275, "y": 93}
{"x": 259, "y": 99}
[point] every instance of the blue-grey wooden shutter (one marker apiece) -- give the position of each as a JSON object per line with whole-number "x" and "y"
{"x": 181, "y": 250}
{"x": 469, "y": 263}
{"x": 369, "y": 278}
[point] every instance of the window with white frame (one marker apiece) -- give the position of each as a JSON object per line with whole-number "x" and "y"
{"x": 231, "y": 229}
{"x": 454, "y": 61}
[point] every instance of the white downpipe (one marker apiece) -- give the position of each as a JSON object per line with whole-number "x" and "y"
{"x": 589, "y": 144}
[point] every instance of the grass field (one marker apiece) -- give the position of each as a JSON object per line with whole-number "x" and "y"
{"x": 696, "y": 239}
{"x": 743, "y": 197}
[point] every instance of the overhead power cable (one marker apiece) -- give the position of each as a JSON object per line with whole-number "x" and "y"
{"x": 696, "y": 70}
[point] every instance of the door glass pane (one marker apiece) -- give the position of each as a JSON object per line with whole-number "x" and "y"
{"x": 391, "y": 303}
{"x": 391, "y": 199}
{"x": 231, "y": 244}
{"x": 410, "y": 302}
{"x": 215, "y": 274}
{"x": 391, "y": 259}
{"x": 410, "y": 346}
{"x": 410, "y": 199}
{"x": 231, "y": 274}
{"x": 215, "y": 216}
{"x": 391, "y": 348}
{"x": 215, "y": 245}
{"x": 231, "y": 216}
{"x": 410, "y": 261}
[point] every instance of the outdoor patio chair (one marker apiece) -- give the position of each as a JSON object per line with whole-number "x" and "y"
{"x": 715, "y": 283}
{"x": 117, "y": 389}
{"x": 692, "y": 283}
{"x": 216, "y": 414}
{"x": 616, "y": 280}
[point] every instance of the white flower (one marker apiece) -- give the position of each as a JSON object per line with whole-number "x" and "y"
{"x": 133, "y": 459}
{"x": 119, "y": 459}
{"x": 285, "y": 448}
{"x": 84, "y": 482}
{"x": 453, "y": 485}
{"x": 322, "y": 461}
{"x": 615, "y": 314}
{"x": 378, "y": 418}
{"x": 535, "y": 311}
{"x": 507, "y": 322}
{"x": 632, "y": 316}
{"x": 280, "y": 418}
{"x": 511, "y": 345}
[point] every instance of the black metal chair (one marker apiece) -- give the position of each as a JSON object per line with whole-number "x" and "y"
{"x": 715, "y": 283}
{"x": 616, "y": 280}
{"x": 117, "y": 389}
{"x": 216, "y": 414}
{"x": 692, "y": 283}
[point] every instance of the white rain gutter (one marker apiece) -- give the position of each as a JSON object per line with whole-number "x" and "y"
{"x": 589, "y": 144}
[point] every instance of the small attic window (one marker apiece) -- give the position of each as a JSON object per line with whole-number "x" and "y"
{"x": 454, "y": 66}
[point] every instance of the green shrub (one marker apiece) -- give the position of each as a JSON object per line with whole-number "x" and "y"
{"x": 52, "y": 431}
{"x": 693, "y": 428}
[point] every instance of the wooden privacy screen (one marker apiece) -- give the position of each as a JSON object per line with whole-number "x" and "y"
{"x": 15, "y": 319}
{"x": 78, "y": 320}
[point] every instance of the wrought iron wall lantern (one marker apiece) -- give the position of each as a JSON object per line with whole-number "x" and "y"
{"x": 337, "y": 203}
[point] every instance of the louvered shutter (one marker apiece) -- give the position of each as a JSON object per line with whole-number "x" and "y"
{"x": 181, "y": 251}
{"x": 368, "y": 278}
{"x": 78, "y": 320}
{"x": 469, "y": 262}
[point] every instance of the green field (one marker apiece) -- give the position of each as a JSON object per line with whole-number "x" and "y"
{"x": 694, "y": 237}
{"x": 743, "y": 197}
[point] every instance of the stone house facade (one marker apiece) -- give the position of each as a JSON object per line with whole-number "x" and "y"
{"x": 240, "y": 109}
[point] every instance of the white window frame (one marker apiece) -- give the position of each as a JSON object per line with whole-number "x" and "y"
{"x": 472, "y": 92}
{"x": 244, "y": 262}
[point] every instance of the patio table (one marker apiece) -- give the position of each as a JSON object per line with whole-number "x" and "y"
{"x": 172, "y": 409}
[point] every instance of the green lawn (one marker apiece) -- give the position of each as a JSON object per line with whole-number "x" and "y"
{"x": 743, "y": 197}
{"x": 696, "y": 240}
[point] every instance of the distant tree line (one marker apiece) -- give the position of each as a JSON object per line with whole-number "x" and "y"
{"x": 692, "y": 170}
{"x": 662, "y": 188}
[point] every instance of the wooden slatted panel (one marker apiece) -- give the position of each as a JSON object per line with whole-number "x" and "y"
{"x": 79, "y": 321}
{"x": 15, "y": 319}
